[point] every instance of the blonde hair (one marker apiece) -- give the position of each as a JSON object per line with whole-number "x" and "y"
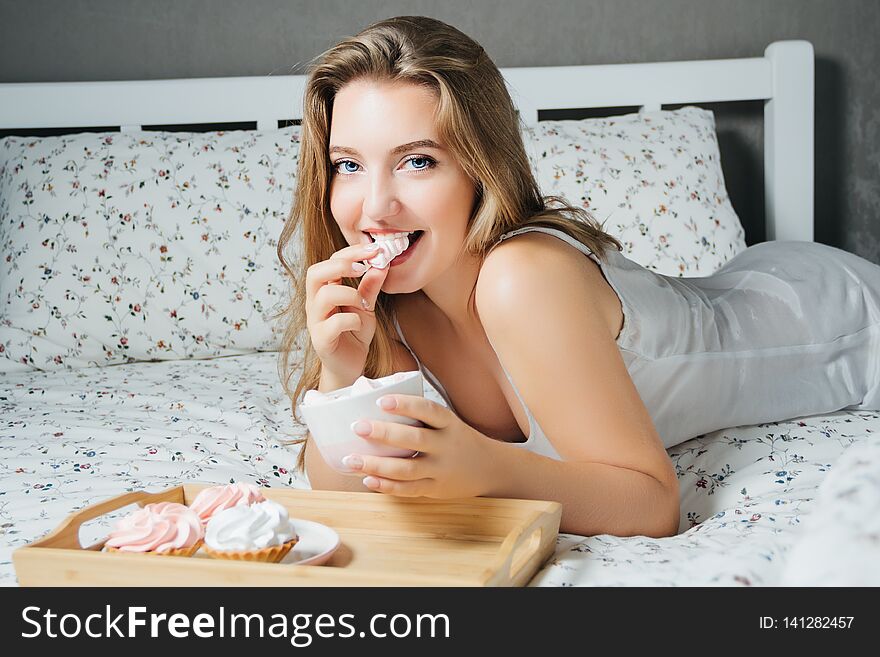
{"x": 477, "y": 122}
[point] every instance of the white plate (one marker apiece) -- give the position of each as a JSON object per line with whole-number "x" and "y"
{"x": 315, "y": 546}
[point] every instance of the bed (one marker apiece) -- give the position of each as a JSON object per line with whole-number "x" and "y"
{"x": 787, "y": 503}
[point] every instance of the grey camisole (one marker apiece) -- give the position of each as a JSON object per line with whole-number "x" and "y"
{"x": 784, "y": 329}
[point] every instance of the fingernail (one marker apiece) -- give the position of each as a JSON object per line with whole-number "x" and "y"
{"x": 359, "y": 268}
{"x": 387, "y": 403}
{"x": 371, "y": 482}
{"x": 361, "y": 427}
{"x": 364, "y": 304}
{"x": 353, "y": 461}
{"x": 372, "y": 246}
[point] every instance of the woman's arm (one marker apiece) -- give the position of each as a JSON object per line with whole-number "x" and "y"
{"x": 536, "y": 300}
{"x": 596, "y": 498}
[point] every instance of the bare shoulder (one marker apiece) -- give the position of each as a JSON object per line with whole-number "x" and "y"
{"x": 544, "y": 264}
{"x": 532, "y": 266}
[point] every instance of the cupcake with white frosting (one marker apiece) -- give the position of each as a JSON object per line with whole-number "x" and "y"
{"x": 258, "y": 532}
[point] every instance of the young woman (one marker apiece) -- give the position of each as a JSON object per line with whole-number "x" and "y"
{"x": 568, "y": 369}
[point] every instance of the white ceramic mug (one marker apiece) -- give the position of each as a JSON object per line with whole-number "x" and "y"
{"x": 330, "y": 420}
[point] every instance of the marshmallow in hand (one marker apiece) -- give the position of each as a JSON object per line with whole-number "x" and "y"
{"x": 388, "y": 251}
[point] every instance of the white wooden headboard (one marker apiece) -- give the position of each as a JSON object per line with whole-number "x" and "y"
{"x": 783, "y": 78}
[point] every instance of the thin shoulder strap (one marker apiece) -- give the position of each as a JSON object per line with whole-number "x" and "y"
{"x": 399, "y": 332}
{"x": 424, "y": 370}
{"x": 556, "y": 232}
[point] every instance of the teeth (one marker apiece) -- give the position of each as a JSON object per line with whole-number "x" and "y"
{"x": 387, "y": 237}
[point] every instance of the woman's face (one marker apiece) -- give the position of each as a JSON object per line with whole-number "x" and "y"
{"x": 391, "y": 173}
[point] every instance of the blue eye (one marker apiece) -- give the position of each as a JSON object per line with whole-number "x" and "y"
{"x": 426, "y": 163}
{"x": 427, "y": 160}
{"x": 342, "y": 163}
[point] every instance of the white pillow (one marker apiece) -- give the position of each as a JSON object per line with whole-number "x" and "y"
{"x": 655, "y": 178}
{"x": 120, "y": 247}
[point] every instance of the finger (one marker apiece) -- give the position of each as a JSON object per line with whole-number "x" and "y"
{"x": 336, "y": 267}
{"x": 399, "y": 468}
{"x": 419, "y": 488}
{"x": 354, "y": 252}
{"x": 336, "y": 324}
{"x": 336, "y": 298}
{"x": 371, "y": 285}
{"x": 428, "y": 412}
{"x": 347, "y": 261}
{"x": 393, "y": 434}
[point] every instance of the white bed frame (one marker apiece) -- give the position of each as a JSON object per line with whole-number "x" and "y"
{"x": 783, "y": 78}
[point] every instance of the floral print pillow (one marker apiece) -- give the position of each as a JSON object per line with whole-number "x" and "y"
{"x": 653, "y": 178}
{"x": 121, "y": 247}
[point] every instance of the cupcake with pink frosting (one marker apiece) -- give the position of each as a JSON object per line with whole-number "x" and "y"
{"x": 165, "y": 528}
{"x": 214, "y": 499}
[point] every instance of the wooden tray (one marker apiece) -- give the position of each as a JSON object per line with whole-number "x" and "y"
{"x": 385, "y": 541}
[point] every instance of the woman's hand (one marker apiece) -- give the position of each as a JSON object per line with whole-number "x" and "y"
{"x": 455, "y": 460}
{"x": 341, "y": 319}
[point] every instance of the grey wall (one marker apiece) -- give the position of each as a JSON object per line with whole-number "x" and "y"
{"x": 117, "y": 39}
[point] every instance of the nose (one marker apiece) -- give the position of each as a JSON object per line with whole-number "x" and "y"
{"x": 381, "y": 198}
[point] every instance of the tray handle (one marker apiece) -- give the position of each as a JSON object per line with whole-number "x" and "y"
{"x": 66, "y": 535}
{"x": 520, "y": 548}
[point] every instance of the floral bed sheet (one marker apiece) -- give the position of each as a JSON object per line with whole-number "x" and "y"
{"x": 788, "y": 503}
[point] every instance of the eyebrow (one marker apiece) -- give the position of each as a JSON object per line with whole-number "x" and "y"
{"x": 420, "y": 143}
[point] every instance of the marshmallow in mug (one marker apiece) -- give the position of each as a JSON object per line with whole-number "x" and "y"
{"x": 361, "y": 385}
